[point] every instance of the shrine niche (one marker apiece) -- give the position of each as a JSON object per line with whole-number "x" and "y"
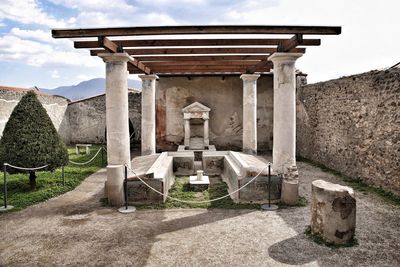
{"x": 195, "y": 115}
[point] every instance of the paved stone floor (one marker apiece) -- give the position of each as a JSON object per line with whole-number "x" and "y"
{"x": 75, "y": 230}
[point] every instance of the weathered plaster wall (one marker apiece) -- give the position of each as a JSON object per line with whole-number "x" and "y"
{"x": 55, "y": 106}
{"x": 352, "y": 125}
{"x": 86, "y": 119}
{"x": 224, "y": 97}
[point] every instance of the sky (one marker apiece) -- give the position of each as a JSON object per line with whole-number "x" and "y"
{"x": 29, "y": 56}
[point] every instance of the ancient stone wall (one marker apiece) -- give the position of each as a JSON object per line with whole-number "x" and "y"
{"x": 55, "y": 106}
{"x": 352, "y": 125}
{"x": 87, "y": 119}
{"x": 224, "y": 96}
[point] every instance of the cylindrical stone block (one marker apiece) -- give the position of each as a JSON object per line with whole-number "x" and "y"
{"x": 290, "y": 192}
{"x": 115, "y": 184}
{"x": 333, "y": 212}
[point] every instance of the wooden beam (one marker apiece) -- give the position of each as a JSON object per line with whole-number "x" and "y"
{"x": 206, "y": 74}
{"x": 286, "y": 46}
{"x": 197, "y": 58}
{"x": 290, "y": 44}
{"x": 112, "y": 47}
{"x": 199, "y": 63}
{"x": 177, "y": 51}
{"x": 194, "y": 42}
{"x": 174, "y": 69}
{"x": 199, "y": 66}
{"x": 107, "y": 44}
{"x": 202, "y": 29}
{"x": 139, "y": 65}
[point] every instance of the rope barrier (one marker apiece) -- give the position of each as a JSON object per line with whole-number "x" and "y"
{"x": 198, "y": 202}
{"x": 26, "y": 169}
{"x": 87, "y": 162}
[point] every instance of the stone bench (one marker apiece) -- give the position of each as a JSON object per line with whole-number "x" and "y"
{"x": 333, "y": 212}
{"x": 86, "y": 146}
{"x": 239, "y": 169}
{"x": 157, "y": 172}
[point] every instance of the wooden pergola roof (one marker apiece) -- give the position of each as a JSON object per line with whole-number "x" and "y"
{"x": 197, "y": 50}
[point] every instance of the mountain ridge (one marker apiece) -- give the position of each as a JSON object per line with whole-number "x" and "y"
{"x": 85, "y": 89}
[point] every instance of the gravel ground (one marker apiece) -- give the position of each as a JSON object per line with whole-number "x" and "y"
{"x": 74, "y": 229}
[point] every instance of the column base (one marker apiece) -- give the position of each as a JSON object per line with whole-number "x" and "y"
{"x": 290, "y": 192}
{"x": 249, "y": 151}
{"x": 115, "y": 185}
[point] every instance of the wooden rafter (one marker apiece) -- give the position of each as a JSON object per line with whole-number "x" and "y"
{"x": 285, "y": 46}
{"x": 288, "y": 45}
{"x": 208, "y": 29}
{"x": 195, "y": 42}
{"x": 199, "y": 63}
{"x": 177, "y": 51}
{"x": 110, "y": 46}
{"x": 182, "y": 58}
{"x": 191, "y": 54}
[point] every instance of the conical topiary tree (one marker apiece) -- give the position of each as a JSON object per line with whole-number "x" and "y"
{"x": 31, "y": 140}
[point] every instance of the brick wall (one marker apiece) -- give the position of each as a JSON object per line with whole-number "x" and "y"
{"x": 352, "y": 125}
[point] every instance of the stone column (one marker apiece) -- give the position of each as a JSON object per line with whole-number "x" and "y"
{"x": 284, "y": 127}
{"x": 148, "y": 114}
{"x": 206, "y": 132}
{"x": 250, "y": 113}
{"x": 117, "y": 116}
{"x": 187, "y": 132}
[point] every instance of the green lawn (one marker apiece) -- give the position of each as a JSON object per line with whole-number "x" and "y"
{"x": 181, "y": 190}
{"x": 49, "y": 184}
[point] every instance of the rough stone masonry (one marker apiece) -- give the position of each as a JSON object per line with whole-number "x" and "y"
{"x": 352, "y": 125}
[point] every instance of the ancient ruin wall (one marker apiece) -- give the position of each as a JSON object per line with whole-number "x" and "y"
{"x": 55, "y": 106}
{"x": 352, "y": 125}
{"x": 225, "y": 98}
{"x": 87, "y": 119}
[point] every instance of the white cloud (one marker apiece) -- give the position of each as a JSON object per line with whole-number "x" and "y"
{"x": 173, "y": 2}
{"x": 55, "y": 74}
{"x": 97, "y": 5}
{"x": 13, "y": 48}
{"x": 39, "y": 35}
{"x": 368, "y": 40}
{"x": 27, "y": 12}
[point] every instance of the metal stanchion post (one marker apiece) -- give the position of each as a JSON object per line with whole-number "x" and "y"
{"x": 5, "y": 207}
{"x": 268, "y": 206}
{"x": 126, "y": 208}
{"x": 102, "y": 156}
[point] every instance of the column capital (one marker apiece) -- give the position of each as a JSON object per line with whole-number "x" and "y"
{"x": 249, "y": 77}
{"x": 280, "y": 57}
{"x": 114, "y": 57}
{"x": 148, "y": 77}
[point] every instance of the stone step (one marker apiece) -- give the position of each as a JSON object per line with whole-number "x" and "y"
{"x": 196, "y": 144}
{"x": 232, "y": 164}
{"x": 240, "y": 163}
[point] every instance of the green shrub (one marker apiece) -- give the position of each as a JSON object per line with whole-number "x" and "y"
{"x": 31, "y": 140}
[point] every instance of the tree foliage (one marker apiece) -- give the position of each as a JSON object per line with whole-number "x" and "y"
{"x": 30, "y": 138}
